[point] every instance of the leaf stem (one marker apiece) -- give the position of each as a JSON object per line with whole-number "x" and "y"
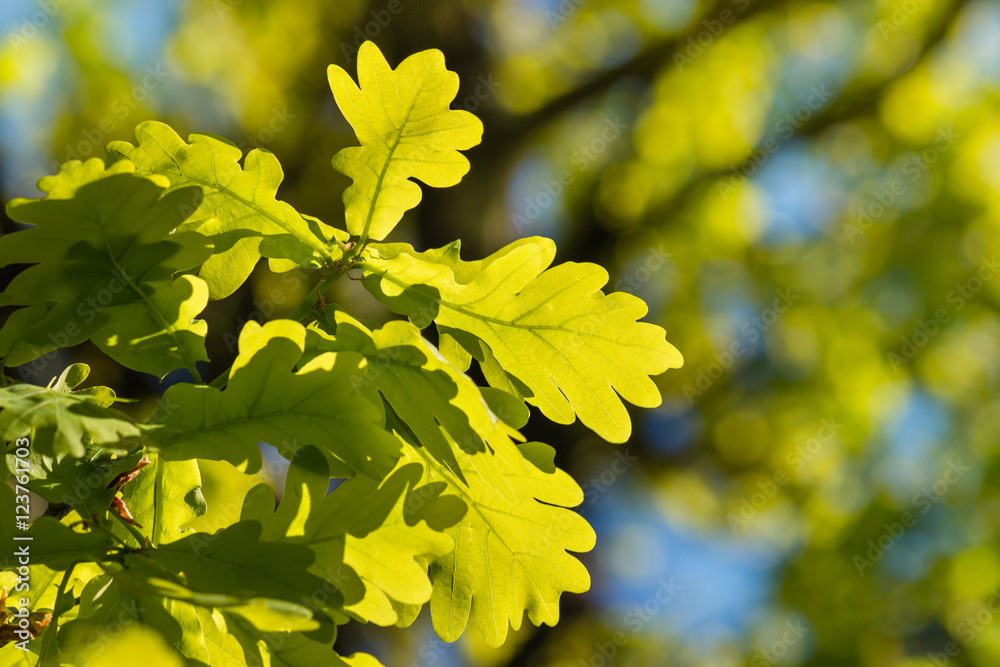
{"x": 324, "y": 285}
{"x": 139, "y": 537}
{"x": 49, "y": 654}
{"x": 169, "y": 328}
{"x": 222, "y": 380}
{"x": 117, "y": 539}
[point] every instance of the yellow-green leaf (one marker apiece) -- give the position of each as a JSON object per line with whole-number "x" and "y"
{"x": 106, "y": 252}
{"x": 239, "y": 210}
{"x": 573, "y": 348}
{"x": 406, "y": 129}
{"x": 268, "y": 400}
{"x": 510, "y": 550}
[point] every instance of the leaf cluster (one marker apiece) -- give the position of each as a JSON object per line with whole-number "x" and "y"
{"x": 442, "y": 501}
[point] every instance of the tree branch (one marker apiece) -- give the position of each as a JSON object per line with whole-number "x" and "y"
{"x": 644, "y": 66}
{"x": 859, "y": 104}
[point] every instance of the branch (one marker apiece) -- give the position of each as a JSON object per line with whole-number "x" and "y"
{"x": 859, "y": 104}
{"x": 644, "y": 66}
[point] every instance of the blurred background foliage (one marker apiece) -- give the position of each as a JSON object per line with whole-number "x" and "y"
{"x": 807, "y": 194}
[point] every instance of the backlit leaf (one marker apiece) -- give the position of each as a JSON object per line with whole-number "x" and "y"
{"x": 164, "y": 497}
{"x": 370, "y": 538}
{"x": 105, "y": 268}
{"x": 267, "y": 400}
{"x": 573, "y": 348}
{"x": 239, "y": 209}
{"x": 510, "y": 552}
{"x": 406, "y": 129}
{"x": 430, "y": 395}
{"x": 64, "y": 421}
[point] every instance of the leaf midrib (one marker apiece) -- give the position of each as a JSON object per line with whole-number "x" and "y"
{"x": 310, "y": 240}
{"x": 493, "y": 320}
{"x": 388, "y": 159}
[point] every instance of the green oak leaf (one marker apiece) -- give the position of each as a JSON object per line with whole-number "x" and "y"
{"x": 116, "y": 645}
{"x": 370, "y": 538}
{"x": 267, "y": 400}
{"x": 232, "y": 642}
{"x": 406, "y": 129}
{"x": 43, "y": 586}
{"x": 239, "y": 212}
{"x": 572, "y": 348}
{"x": 510, "y": 552}
{"x": 121, "y": 598}
{"x": 237, "y": 560}
{"x": 80, "y": 483}
{"x": 11, "y": 656}
{"x": 164, "y": 497}
{"x": 274, "y": 615}
{"x": 143, "y": 585}
{"x": 260, "y": 585}
{"x": 44, "y": 582}
{"x": 49, "y": 542}
{"x": 144, "y": 592}
{"x": 105, "y": 261}
{"x": 430, "y": 395}
{"x": 63, "y": 421}
{"x": 509, "y": 408}
{"x": 265, "y": 614}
